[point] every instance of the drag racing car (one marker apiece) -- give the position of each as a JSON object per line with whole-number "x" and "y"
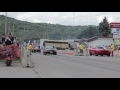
{"x": 49, "y": 50}
{"x": 99, "y": 50}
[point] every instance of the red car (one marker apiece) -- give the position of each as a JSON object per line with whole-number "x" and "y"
{"x": 99, "y": 51}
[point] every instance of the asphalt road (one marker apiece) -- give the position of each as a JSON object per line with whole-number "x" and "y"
{"x": 68, "y": 66}
{"x": 64, "y": 66}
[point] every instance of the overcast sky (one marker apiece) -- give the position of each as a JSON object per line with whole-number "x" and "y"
{"x": 65, "y": 18}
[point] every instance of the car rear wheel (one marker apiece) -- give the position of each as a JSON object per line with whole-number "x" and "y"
{"x": 108, "y": 55}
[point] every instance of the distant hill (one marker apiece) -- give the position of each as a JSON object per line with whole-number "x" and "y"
{"x": 26, "y": 30}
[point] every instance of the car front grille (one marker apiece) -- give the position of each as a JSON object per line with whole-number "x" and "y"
{"x": 50, "y": 50}
{"x": 104, "y": 51}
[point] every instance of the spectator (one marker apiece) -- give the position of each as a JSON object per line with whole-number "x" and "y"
{"x": 15, "y": 40}
{"x": 118, "y": 47}
{"x": 8, "y": 41}
{"x": 3, "y": 38}
{"x": 11, "y": 37}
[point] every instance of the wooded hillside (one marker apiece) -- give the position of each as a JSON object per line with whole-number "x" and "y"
{"x": 27, "y": 30}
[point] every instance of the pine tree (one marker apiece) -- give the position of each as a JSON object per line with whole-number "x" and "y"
{"x": 104, "y": 28}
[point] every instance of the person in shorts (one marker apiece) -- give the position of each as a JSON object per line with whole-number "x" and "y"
{"x": 82, "y": 49}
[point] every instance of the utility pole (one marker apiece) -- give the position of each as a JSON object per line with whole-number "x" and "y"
{"x": 27, "y": 32}
{"x": 5, "y": 23}
{"x": 73, "y": 26}
{"x": 24, "y": 29}
{"x": 24, "y": 33}
{"x": 45, "y": 34}
{"x": 42, "y": 34}
{"x": 73, "y": 20}
{"x": 48, "y": 34}
{"x": 13, "y": 28}
{"x": 9, "y": 28}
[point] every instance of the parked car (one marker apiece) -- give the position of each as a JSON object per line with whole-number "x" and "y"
{"x": 49, "y": 50}
{"x": 99, "y": 50}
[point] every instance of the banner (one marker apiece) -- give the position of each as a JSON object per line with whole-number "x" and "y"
{"x": 115, "y": 27}
{"x": 116, "y": 35}
{"x": 117, "y": 42}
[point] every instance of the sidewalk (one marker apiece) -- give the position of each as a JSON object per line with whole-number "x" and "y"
{"x": 16, "y": 71}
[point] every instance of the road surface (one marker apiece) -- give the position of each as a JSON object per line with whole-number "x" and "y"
{"x": 68, "y": 66}
{"x": 64, "y": 66}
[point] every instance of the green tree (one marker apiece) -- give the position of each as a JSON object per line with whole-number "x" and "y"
{"x": 104, "y": 28}
{"x": 88, "y": 32}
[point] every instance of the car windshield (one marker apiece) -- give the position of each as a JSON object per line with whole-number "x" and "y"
{"x": 49, "y": 47}
{"x": 100, "y": 48}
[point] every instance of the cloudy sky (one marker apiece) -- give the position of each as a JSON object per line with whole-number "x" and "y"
{"x": 65, "y": 18}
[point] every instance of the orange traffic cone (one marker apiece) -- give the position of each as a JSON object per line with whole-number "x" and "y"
{"x": 116, "y": 53}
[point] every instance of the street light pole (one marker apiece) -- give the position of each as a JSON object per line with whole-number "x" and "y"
{"x": 5, "y": 23}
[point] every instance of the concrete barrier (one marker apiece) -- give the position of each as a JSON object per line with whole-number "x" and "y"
{"x": 119, "y": 53}
{"x": 21, "y": 53}
{"x": 77, "y": 52}
{"x": 87, "y": 53}
{"x": 65, "y": 51}
{"x": 26, "y": 58}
